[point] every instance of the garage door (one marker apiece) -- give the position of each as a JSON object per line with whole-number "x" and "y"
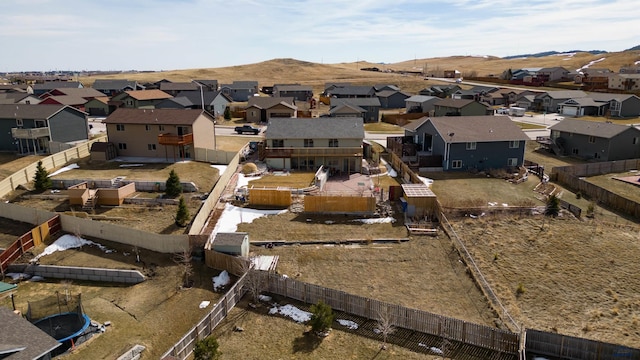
{"x": 570, "y": 110}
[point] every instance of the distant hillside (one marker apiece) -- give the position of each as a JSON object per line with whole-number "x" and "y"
{"x": 550, "y": 53}
{"x": 637, "y": 47}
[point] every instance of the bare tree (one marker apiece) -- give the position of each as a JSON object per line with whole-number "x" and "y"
{"x": 67, "y": 289}
{"x": 255, "y": 280}
{"x": 183, "y": 259}
{"x": 385, "y": 325}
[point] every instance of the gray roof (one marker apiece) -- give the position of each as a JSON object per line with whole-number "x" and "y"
{"x": 37, "y": 112}
{"x": 12, "y": 98}
{"x": 180, "y": 100}
{"x": 372, "y": 101}
{"x": 382, "y": 86}
{"x": 387, "y": 93}
{"x": 293, "y": 87}
{"x": 477, "y": 129}
{"x": 420, "y": 98}
{"x": 584, "y": 102}
{"x": 315, "y": 128}
{"x": 196, "y": 97}
{"x": 19, "y": 334}
{"x": 57, "y": 85}
{"x": 266, "y": 102}
{"x": 340, "y": 109}
{"x": 564, "y": 94}
{"x": 109, "y": 84}
{"x": 415, "y": 124}
{"x": 229, "y": 239}
{"x": 155, "y": 116}
{"x": 179, "y": 86}
{"x": 606, "y": 97}
{"x": 591, "y": 128}
{"x": 352, "y": 90}
{"x": 248, "y": 84}
{"x": 457, "y": 103}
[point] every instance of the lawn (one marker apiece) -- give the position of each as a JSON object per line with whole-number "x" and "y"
{"x": 295, "y": 180}
{"x": 466, "y": 190}
{"x": 232, "y": 143}
{"x": 621, "y": 188}
{"x": 382, "y": 127}
{"x": 528, "y": 126}
{"x": 10, "y": 163}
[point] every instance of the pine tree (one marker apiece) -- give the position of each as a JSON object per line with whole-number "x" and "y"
{"x": 206, "y": 349}
{"x": 227, "y": 113}
{"x": 182, "y": 215}
{"x": 553, "y": 206}
{"x": 41, "y": 179}
{"x": 173, "y": 187}
{"x": 321, "y": 317}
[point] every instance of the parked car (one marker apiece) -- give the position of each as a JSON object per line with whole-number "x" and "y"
{"x": 246, "y": 129}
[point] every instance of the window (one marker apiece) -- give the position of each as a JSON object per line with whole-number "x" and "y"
{"x": 161, "y": 127}
{"x": 471, "y": 145}
{"x": 574, "y": 151}
{"x": 147, "y": 127}
{"x": 512, "y": 162}
{"x": 19, "y": 123}
{"x": 151, "y": 146}
{"x": 119, "y": 127}
{"x": 333, "y": 143}
{"x": 308, "y": 142}
{"x": 636, "y": 140}
{"x": 592, "y": 139}
{"x": 277, "y": 143}
{"x": 456, "y": 164}
{"x": 514, "y": 144}
{"x": 122, "y": 146}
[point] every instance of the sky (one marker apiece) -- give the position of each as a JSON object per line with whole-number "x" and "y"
{"x": 49, "y": 35}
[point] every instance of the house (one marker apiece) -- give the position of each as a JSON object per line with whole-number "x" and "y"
{"x": 98, "y": 106}
{"x": 16, "y": 88}
{"x": 632, "y": 69}
{"x": 138, "y": 99}
{"x": 583, "y": 106}
{"x": 352, "y": 91}
{"x": 525, "y": 101}
{"x": 555, "y": 73}
{"x": 469, "y": 142}
{"x": 296, "y": 91}
{"x": 113, "y": 87}
{"x": 41, "y": 129}
{"x": 392, "y": 99}
{"x": 550, "y": 101}
{"x": 332, "y": 85}
{"x": 308, "y": 143}
{"x": 625, "y": 82}
{"x": 209, "y": 85}
{"x": 75, "y": 101}
{"x": 366, "y": 108}
{"x": 240, "y": 90}
{"x": 173, "y": 88}
{"x": 179, "y": 102}
{"x": 598, "y": 141}
{"x": 440, "y": 91}
{"x": 85, "y": 93}
{"x": 262, "y": 108}
{"x": 231, "y": 243}
{"x": 619, "y": 105}
{"x": 420, "y": 103}
{"x": 19, "y": 98}
{"x": 39, "y": 89}
{"x": 383, "y": 87}
{"x": 214, "y": 101}
{"x": 459, "y": 107}
{"x": 160, "y": 133}
{"x": 20, "y": 339}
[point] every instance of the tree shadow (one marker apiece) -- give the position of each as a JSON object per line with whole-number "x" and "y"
{"x": 306, "y": 343}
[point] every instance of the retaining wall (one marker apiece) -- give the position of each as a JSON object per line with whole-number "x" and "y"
{"x": 80, "y": 273}
{"x": 151, "y": 186}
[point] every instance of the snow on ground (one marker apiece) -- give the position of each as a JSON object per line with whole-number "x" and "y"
{"x": 233, "y": 215}
{"x": 265, "y": 298}
{"x": 291, "y": 311}
{"x": 426, "y": 181}
{"x": 66, "y": 168}
{"x": 221, "y": 280}
{"x": 384, "y": 220}
{"x": 539, "y": 358}
{"x": 432, "y": 348}
{"x": 221, "y": 168}
{"x": 17, "y": 276}
{"x": 637, "y": 62}
{"x": 244, "y": 180}
{"x": 390, "y": 170}
{"x": 348, "y": 324}
{"x": 66, "y": 242}
{"x": 590, "y": 63}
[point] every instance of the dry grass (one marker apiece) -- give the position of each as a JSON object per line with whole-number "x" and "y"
{"x": 382, "y": 127}
{"x": 232, "y": 143}
{"x": 10, "y": 230}
{"x": 296, "y": 180}
{"x": 153, "y": 313}
{"x": 580, "y": 277}
{"x": 621, "y": 188}
{"x": 547, "y": 159}
{"x": 10, "y": 163}
{"x": 529, "y": 126}
{"x": 478, "y": 190}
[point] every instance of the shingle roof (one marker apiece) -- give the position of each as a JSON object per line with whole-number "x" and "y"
{"x": 352, "y": 90}
{"x": 23, "y": 111}
{"x": 372, "y": 101}
{"x": 81, "y": 92}
{"x": 315, "y": 128}
{"x": 196, "y": 98}
{"x": 56, "y": 85}
{"x": 115, "y": 84}
{"x": 12, "y": 98}
{"x": 454, "y": 103}
{"x": 387, "y": 93}
{"x": 584, "y": 102}
{"x": 246, "y": 84}
{"x": 564, "y": 94}
{"x": 414, "y": 124}
{"x": 477, "y": 128}
{"x": 610, "y": 96}
{"x": 155, "y": 116}
{"x": 179, "y": 86}
{"x": 180, "y": 100}
{"x": 148, "y": 94}
{"x": 420, "y": 98}
{"x": 68, "y": 99}
{"x": 293, "y": 87}
{"x": 340, "y": 109}
{"x": 590, "y": 128}
{"x": 20, "y": 334}
{"x": 267, "y": 102}
{"x": 229, "y": 239}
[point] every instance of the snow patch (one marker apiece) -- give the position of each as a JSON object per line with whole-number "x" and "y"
{"x": 204, "y": 304}
{"x": 432, "y": 348}
{"x": 221, "y": 168}
{"x": 384, "y": 220}
{"x": 426, "y": 181}
{"x": 265, "y": 298}
{"x": 18, "y": 276}
{"x": 233, "y": 215}
{"x": 66, "y": 242}
{"x": 66, "y": 168}
{"x": 291, "y": 311}
{"x": 590, "y": 63}
{"x": 221, "y": 280}
{"x": 348, "y": 324}
{"x": 390, "y": 170}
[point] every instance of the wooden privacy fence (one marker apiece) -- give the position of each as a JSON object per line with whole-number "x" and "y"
{"x": 403, "y": 169}
{"x": 29, "y": 240}
{"x": 599, "y": 168}
{"x": 569, "y": 347}
{"x": 412, "y": 319}
{"x": 339, "y": 204}
{"x": 184, "y": 347}
{"x": 270, "y": 197}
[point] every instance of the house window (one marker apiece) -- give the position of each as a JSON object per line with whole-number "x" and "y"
{"x": 253, "y": 113}
{"x": 147, "y": 127}
{"x": 277, "y": 143}
{"x": 592, "y": 139}
{"x": 19, "y": 123}
{"x": 635, "y": 140}
{"x": 574, "y": 151}
{"x": 308, "y": 142}
{"x": 456, "y": 164}
{"x": 514, "y": 144}
{"x": 151, "y": 146}
{"x": 471, "y": 145}
{"x": 122, "y": 146}
{"x": 119, "y": 127}
{"x": 333, "y": 143}
{"x": 161, "y": 127}
{"x": 596, "y": 156}
{"x": 512, "y": 162}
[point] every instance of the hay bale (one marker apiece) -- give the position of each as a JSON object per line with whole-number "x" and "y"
{"x": 249, "y": 168}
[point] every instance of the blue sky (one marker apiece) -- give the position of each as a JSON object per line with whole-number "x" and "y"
{"x": 185, "y": 34}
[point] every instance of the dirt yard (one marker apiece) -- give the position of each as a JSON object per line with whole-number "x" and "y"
{"x": 155, "y": 313}
{"x": 579, "y": 277}
{"x": 10, "y": 231}
{"x": 10, "y": 163}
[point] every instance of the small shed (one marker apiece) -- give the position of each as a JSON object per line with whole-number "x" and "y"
{"x": 103, "y": 151}
{"x": 421, "y": 201}
{"x": 233, "y": 243}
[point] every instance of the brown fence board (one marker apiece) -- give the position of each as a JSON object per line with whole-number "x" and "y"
{"x": 569, "y": 347}
{"x": 339, "y": 204}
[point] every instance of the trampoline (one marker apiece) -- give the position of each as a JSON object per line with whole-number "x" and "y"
{"x": 64, "y": 327}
